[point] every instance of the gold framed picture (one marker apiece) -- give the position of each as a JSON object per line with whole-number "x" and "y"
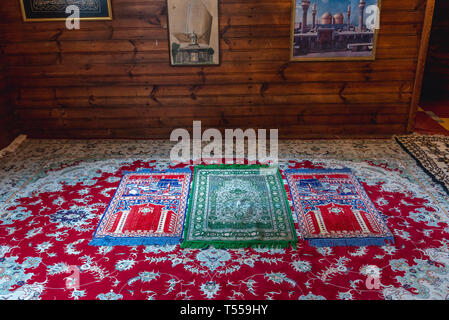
{"x": 334, "y": 30}
{"x": 55, "y": 10}
{"x": 193, "y": 32}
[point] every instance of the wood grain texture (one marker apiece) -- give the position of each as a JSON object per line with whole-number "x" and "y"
{"x": 112, "y": 79}
{"x": 422, "y": 57}
{"x": 436, "y": 75}
{"x": 8, "y": 123}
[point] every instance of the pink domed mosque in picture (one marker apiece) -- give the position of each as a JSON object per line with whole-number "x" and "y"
{"x": 334, "y": 29}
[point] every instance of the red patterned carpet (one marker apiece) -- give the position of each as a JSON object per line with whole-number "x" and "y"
{"x": 53, "y": 194}
{"x": 433, "y": 118}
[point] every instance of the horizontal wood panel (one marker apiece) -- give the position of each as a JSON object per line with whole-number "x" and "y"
{"x": 154, "y": 69}
{"x": 221, "y": 101}
{"x": 136, "y": 46}
{"x": 200, "y": 78}
{"x": 154, "y": 7}
{"x": 155, "y": 16}
{"x": 267, "y": 55}
{"x": 287, "y": 132}
{"x": 8, "y": 124}
{"x": 197, "y": 112}
{"x": 271, "y": 121}
{"x": 94, "y": 32}
{"x": 263, "y": 89}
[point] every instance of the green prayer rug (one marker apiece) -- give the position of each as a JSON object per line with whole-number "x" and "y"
{"x": 238, "y": 206}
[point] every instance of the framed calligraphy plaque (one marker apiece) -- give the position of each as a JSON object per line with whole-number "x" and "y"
{"x": 54, "y": 10}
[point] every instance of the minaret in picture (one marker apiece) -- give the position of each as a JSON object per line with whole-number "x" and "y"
{"x": 341, "y": 32}
{"x": 314, "y": 16}
{"x": 361, "y": 11}
{"x": 348, "y": 15}
{"x": 305, "y": 7}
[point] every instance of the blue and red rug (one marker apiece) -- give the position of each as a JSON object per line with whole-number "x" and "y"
{"x": 147, "y": 208}
{"x": 334, "y": 210}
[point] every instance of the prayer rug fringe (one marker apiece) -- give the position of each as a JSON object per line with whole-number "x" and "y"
{"x": 113, "y": 241}
{"x": 232, "y": 166}
{"x": 238, "y": 245}
{"x": 351, "y": 242}
{"x": 149, "y": 170}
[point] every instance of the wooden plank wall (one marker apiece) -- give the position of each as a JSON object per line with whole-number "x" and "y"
{"x": 436, "y": 76}
{"x": 8, "y": 127}
{"x": 112, "y": 79}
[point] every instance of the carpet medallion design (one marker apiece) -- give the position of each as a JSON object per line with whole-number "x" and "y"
{"x": 432, "y": 154}
{"x": 147, "y": 208}
{"x": 334, "y": 210}
{"x": 238, "y": 207}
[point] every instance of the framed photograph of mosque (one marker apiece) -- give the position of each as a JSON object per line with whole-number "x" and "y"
{"x": 60, "y": 10}
{"x": 333, "y": 30}
{"x": 193, "y": 32}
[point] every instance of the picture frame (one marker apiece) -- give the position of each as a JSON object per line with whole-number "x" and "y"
{"x": 193, "y": 32}
{"x": 40, "y": 10}
{"x": 330, "y": 30}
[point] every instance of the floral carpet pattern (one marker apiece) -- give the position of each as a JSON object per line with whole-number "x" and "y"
{"x": 53, "y": 194}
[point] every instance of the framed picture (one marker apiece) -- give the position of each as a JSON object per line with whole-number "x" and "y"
{"x": 55, "y": 10}
{"x": 193, "y": 32}
{"x": 333, "y": 30}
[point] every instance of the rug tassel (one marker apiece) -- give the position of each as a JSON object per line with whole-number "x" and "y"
{"x": 350, "y": 242}
{"x": 111, "y": 241}
{"x": 238, "y": 245}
